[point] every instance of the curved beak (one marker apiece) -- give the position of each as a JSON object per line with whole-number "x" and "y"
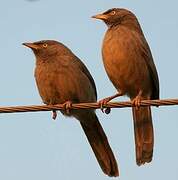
{"x": 31, "y": 45}
{"x": 100, "y": 16}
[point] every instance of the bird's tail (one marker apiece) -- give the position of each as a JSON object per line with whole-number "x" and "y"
{"x": 100, "y": 145}
{"x": 144, "y": 138}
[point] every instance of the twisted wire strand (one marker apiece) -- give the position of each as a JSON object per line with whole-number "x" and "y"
{"x": 34, "y": 108}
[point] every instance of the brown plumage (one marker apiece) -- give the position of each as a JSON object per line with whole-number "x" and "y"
{"x": 129, "y": 64}
{"x": 62, "y": 78}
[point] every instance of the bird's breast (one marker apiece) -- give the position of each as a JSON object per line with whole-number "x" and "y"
{"x": 114, "y": 59}
{"x": 45, "y": 80}
{"x": 58, "y": 84}
{"x": 123, "y": 62}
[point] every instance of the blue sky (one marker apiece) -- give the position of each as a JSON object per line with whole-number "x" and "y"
{"x": 32, "y": 146}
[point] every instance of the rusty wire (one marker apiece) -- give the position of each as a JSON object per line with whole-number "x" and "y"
{"x": 33, "y": 108}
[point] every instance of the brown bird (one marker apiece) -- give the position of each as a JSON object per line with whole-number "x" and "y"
{"x": 129, "y": 64}
{"x": 61, "y": 77}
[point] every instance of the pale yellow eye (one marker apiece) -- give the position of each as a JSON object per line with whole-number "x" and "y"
{"x": 113, "y": 12}
{"x": 45, "y": 45}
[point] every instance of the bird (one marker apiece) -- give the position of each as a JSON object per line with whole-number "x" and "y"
{"x": 62, "y": 78}
{"x": 129, "y": 64}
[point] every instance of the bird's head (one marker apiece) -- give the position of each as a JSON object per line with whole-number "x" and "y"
{"x": 46, "y": 48}
{"x": 115, "y": 16}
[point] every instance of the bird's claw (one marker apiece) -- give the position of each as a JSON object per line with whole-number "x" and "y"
{"x": 67, "y": 106}
{"x": 54, "y": 116}
{"x": 103, "y": 103}
{"x": 136, "y": 102}
{"x": 107, "y": 110}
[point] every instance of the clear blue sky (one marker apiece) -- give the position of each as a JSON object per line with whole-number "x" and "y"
{"x": 32, "y": 146}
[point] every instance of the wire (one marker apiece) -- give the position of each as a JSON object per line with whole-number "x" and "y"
{"x": 34, "y": 108}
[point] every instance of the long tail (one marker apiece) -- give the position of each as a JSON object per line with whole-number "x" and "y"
{"x": 100, "y": 145}
{"x": 144, "y": 138}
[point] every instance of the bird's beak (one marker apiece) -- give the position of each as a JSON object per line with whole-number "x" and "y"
{"x": 31, "y": 45}
{"x": 100, "y": 16}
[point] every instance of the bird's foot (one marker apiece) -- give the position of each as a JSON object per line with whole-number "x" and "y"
{"x": 137, "y": 102}
{"x": 103, "y": 103}
{"x": 67, "y": 106}
{"x": 54, "y": 114}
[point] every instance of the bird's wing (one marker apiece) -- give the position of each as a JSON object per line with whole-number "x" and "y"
{"x": 74, "y": 61}
{"x": 84, "y": 69}
{"x": 145, "y": 51}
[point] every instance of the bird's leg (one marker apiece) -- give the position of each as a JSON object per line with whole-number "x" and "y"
{"x": 54, "y": 114}
{"x": 67, "y": 106}
{"x": 136, "y": 101}
{"x": 104, "y": 102}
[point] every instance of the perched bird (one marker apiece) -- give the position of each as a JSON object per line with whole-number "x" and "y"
{"x": 61, "y": 77}
{"x": 129, "y": 64}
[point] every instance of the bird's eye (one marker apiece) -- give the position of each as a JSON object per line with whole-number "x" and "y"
{"x": 113, "y": 12}
{"x": 45, "y": 45}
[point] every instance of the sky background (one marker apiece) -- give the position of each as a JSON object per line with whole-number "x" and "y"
{"x": 32, "y": 146}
